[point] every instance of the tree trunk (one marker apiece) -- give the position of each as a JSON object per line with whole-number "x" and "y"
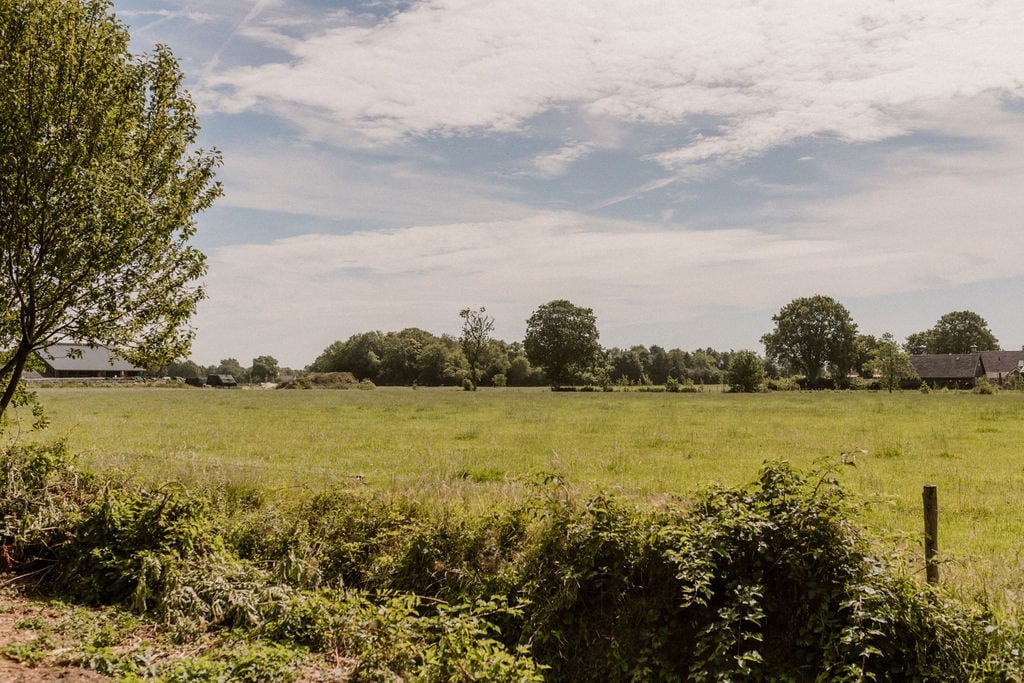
{"x": 20, "y": 358}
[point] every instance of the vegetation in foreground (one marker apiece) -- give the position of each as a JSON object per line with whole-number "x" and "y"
{"x": 766, "y": 581}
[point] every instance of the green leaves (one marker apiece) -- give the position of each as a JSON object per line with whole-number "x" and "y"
{"x": 811, "y": 332}
{"x": 99, "y": 186}
{"x": 563, "y": 339}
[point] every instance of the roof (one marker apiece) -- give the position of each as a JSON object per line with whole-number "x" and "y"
{"x": 1003, "y": 362}
{"x": 947, "y": 365}
{"x": 97, "y": 358}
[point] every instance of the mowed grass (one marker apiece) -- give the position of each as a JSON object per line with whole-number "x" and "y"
{"x": 490, "y": 447}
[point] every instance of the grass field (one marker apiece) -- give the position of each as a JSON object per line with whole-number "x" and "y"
{"x": 485, "y": 448}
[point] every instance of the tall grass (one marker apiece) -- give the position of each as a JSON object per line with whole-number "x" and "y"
{"x": 479, "y": 449}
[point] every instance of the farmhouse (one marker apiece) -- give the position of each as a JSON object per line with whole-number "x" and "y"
{"x": 962, "y": 370}
{"x": 78, "y": 361}
{"x": 1001, "y": 365}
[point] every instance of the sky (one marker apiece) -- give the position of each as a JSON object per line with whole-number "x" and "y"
{"x": 685, "y": 169}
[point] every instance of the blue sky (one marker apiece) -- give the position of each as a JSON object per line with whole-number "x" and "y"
{"x": 683, "y": 168}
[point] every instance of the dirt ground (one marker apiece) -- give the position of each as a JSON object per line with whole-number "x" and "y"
{"x": 14, "y": 613}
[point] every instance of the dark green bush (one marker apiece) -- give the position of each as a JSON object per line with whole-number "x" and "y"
{"x": 767, "y": 582}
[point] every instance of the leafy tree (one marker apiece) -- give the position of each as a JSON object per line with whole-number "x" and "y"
{"x": 746, "y": 371}
{"x": 562, "y": 338}
{"x": 521, "y": 374}
{"x": 891, "y": 363}
{"x": 918, "y": 343}
{"x": 629, "y": 366}
{"x": 660, "y": 365}
{"x": 811, "y": 332}
{"x": 866, "y": 345}
{"x": 231, "y": 366}
{"x": 441, "y": 362}
{"x": 360, "y": 354}
{"x": 399, "y": 363}
{"x": 187, "y": 369}
{"x": 99, "y": 186}
{"x": 956, "y": 332}
{"x": 476, "y": 333}
{"x": 264, "y": 369}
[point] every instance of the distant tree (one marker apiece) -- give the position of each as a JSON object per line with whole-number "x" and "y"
{"x": 476, "y": 333}
{"x": 563, "y": 339}
{"x": 231, "y": 366}
{"x": 746, "y": 371}
{"x": 705, "y": 366}
{"x": 264, "y": 369}
{"x": 495, "y": 361}
{"x": 629, "y": 366}
{"x": 441, "y": 362}
{"x": 918, "y": 343}
{"x": 399, "y": 364}
{"x": 360, "y": 354}
{"x": 866, "y": 344}
{"x": 956, "y": 332}
{"x": 891, "y": 363}
{"x": 813, "y": 332}
{"x": 99, "y": 186}
{"x": 660, "y": 365}
{"x": 521, "y": 374}
{"x": 187, "y": 369}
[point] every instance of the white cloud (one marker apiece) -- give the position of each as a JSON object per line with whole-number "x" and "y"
{"x": 926, "y": 219}
{"x": 554, "y": 165}
{"x": 767, "y": 73}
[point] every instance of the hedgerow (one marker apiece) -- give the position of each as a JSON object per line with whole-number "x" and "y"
{"x": 772, "y": 581}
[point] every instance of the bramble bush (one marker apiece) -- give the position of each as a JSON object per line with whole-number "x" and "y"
{"x": 769, "y": 581}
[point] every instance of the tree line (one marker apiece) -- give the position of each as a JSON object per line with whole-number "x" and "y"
{"x": 814, "y": 341}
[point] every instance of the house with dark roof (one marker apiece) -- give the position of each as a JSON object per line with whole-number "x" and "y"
{"x": 79, "y": 361}
{"x": 962, "y": 370}
{"x": 1002, "y": 365}
{"x": 953, "y": 370}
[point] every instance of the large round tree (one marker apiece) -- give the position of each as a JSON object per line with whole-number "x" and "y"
{"x": 100, "y": 181}
{"x": 812, "y": 333}
{"x": 955, "y": 332}
{"x": 562, "y": 338}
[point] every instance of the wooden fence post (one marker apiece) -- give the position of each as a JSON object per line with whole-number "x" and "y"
{"x": 931, "y": 533}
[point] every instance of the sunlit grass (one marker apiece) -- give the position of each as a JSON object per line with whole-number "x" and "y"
{"x": 484, "y": 448}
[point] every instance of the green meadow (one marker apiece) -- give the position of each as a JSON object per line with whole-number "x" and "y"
{"x": 485, "y": 448}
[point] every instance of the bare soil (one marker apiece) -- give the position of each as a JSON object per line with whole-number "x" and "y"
{"x": 15, "y": 613}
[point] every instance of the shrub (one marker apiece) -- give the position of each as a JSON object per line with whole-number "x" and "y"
{"x": 327, "y": 380}
{"x": 769, "y": 581}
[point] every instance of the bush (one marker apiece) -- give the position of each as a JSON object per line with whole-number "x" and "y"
{"x": 327, "y": 380}
{"x": 769, "y": 581}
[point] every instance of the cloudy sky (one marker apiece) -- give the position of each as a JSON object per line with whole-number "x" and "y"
{"x": 683, "y": 168}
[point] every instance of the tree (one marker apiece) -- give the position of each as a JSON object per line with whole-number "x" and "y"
{"x": 811, "y": 332}
{"x": 891, "y": 363}
{"x": 231, "y": 366}
{"x": 264, "y": 369}
{"x": 476, "y": 333}
{"x": 956, "y": 332}
{"x": 99, "y": 186}
{"x": 562, "y": 338}
{"x": 746, "y": 371}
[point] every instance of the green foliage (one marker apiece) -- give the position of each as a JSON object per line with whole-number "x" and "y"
{"x": 476, "y": 334}
{"x": 955, "y": 332}
{"x": 891, "y": 363}
{"x": 99, "y": 186}
{"x": 563, "y": 339}
{"x": 746, "y": 372}
{"x": 813, "y": 332}
{"x": 327, "y": 380}
{"x": 984, "y": 387}
{"x": 264, "y": 369}
{"x": 767, "y": 581}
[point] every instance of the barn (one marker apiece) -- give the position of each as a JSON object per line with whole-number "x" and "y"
{"x": 962, "y": 370}
{"x": 83, "y": 362}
